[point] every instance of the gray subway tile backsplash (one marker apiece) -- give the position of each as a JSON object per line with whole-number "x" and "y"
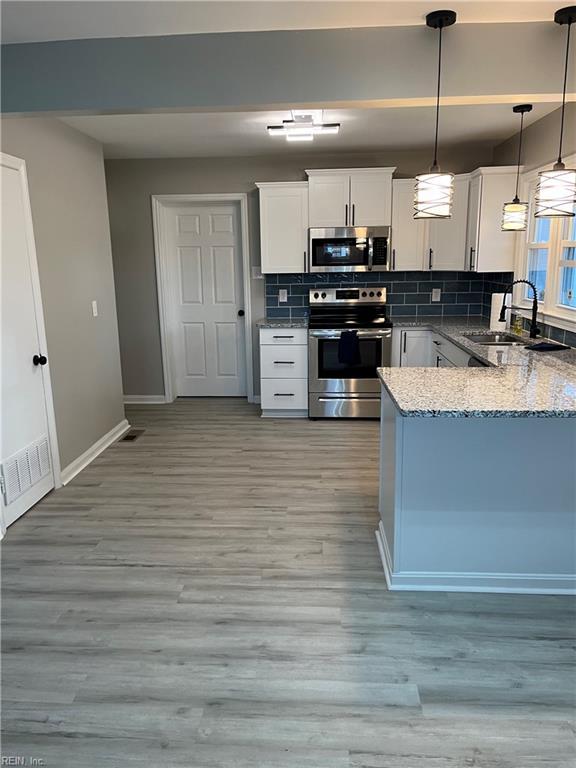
{"x": 409, "y": 293}
{"x": 463, "y": 294}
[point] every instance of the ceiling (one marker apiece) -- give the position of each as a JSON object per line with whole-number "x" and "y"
{"x": 229, "y": 134}
{"x": 32, "y": 21}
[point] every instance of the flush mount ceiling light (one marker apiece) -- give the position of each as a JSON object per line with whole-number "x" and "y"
{"x": 556, "y": 191}
{"x": 515, "y": 214}
{"x": 304, "y": 126}
{"x": 434, "y": 190}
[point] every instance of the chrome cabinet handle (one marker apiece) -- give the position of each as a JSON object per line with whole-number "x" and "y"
{"x": 346, "y": 215}
{"x": 472, "y": 260}
{"x": 282, "y": 337}
{"x": 430, "y": 255}
{"x": 284, "y": 362}
{"x": 393, "y": 259}
{"x": 305, "y": 270}
{"x": 404, "y": 334}
{"x": 437, "y": 362}
{"x": 284, "y": 394}
{"x": 353, "y": 213}
{"x": 438, "y": 343}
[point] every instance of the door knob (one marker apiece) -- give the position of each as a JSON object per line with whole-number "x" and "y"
{"x": 240, "y": 313}
{"x": 39, "y": 360}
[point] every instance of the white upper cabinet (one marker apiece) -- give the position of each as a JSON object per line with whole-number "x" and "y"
{"x": 371, "y": 197}
{"x": 488, "y": 248}
{"x": 408, "y": 234}
{"x": 350, "y": 197}
{"x": 329, "y": 200}
{"x": 283, "y": 226}
{"x": 447, "y": 237}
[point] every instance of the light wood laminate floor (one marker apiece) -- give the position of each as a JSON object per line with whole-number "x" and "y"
{"x": 211, "y": 595}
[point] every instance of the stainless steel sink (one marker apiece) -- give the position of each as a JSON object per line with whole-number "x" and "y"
{"x": 496, "y": 339}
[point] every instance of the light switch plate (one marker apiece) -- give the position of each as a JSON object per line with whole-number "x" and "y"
{"x": 436, "y": 294}
{"x": 95, "y": 308}
{"x": 282, "y": 295}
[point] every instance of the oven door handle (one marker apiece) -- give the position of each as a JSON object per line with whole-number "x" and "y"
{"x": 361, "y": 334}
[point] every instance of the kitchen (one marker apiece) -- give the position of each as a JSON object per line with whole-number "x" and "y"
{"x": 317, "y": 497}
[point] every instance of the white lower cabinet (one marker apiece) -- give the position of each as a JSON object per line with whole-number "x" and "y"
{"x": 284, "y": 372}
{"x": 424, "y": 348}
{"x": 415, "y": 348}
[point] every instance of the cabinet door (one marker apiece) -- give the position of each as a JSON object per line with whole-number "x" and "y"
{"x": 415, "y": 349}
{"x": 408, "y": 234}
{"x": 496, "y": 248}
{"x": 447, "y": 237}
{"x": 442, "y": 362}
{"x": 370, "y": 199}
{"x": 283, "y": 228}
{"x": 474, "y": 202}
{"x": 329, "y": 200}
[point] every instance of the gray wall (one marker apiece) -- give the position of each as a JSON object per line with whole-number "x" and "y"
{"x": 130, "y": 186}
{"x": 71, "y": 228}
{"x": 540, "y": 141}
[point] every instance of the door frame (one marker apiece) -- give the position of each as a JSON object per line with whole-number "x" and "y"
{"x": 19, "y": 165}
{"x": 160, "y": 203}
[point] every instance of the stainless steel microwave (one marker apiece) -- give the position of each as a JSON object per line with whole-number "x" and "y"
{"x": 349, "y": 249}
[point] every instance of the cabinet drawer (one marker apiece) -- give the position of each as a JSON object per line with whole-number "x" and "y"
{"x": 283, "y": 336}
{"x": 284, "y": 394}
{"x": 284, "y": 361}
{"x": 447, "y": 349}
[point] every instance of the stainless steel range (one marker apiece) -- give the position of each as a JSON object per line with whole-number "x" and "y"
{"x": 350, "y": 335}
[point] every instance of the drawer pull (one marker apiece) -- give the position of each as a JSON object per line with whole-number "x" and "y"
{"x": 282, "y": 337}
{"x": 283, "y": 394}
{"x": 438, "y": 343}
{"x": 284, "y": 362}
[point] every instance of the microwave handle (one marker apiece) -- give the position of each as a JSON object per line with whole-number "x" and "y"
{"x": 370, "y": 254}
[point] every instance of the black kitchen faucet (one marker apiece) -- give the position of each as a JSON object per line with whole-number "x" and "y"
{"x": 534, "y": 330}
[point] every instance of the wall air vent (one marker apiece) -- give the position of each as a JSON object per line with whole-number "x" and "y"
{"x": 24, "y": 469}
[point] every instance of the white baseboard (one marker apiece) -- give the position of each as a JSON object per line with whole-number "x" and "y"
{"x": 69, "y": 472}
{"x": 145, "y": 399}
{"x": 505, "y": 583}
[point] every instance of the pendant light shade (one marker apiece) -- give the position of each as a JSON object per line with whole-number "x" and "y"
{"x": 515, "y": 213}
{"x": 556, "y": 190}
{"x": 434, "y": 190}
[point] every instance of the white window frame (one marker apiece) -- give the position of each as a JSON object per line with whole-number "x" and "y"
{"x": 550, "y": 311}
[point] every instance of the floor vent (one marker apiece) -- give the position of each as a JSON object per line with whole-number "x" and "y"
{"x": 132, "y": 435}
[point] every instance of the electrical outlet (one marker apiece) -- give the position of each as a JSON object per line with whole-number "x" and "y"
{"x": 436, "y": 294}
{"x": 283, "y": 295}
{"x": 95, "y": 308}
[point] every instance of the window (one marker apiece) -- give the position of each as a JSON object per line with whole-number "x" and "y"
{"x": 549, "y": 261}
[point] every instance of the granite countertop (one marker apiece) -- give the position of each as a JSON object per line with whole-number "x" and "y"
{"x": 516, "y": 383}
{"x": 278, "y": 323}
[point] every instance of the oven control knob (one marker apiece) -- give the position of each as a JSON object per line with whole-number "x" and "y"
{"x": 323, "y": 295}
{"x": 379, "y": 294}
{"x": 316, "y": 295}
{"x": 364, "y": 294}
{"x": 371, "y": 293}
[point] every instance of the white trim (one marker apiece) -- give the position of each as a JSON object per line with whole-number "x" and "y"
{"x": 145, "y": 399}
{"x": 19, "y": 165}
{"x": 287, "y": 413}
{"x": 159, "y": 202}
{"x": 69, "y": 472}
{"x": 504, "y": 583}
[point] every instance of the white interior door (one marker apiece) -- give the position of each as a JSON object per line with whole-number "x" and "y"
{"x": 207, "y": 305}
{"x": 25, "y": 447}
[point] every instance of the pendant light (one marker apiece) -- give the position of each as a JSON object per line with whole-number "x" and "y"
{"x": 434, "y": 190}
{"x": 515, "y": 214}
{"x": 556, "y": 191}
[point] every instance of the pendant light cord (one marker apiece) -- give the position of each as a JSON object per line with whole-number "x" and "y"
{"x": 516, "y": 198}
{"x": 564, "y": 92}
{"x": 435, "y": 162}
